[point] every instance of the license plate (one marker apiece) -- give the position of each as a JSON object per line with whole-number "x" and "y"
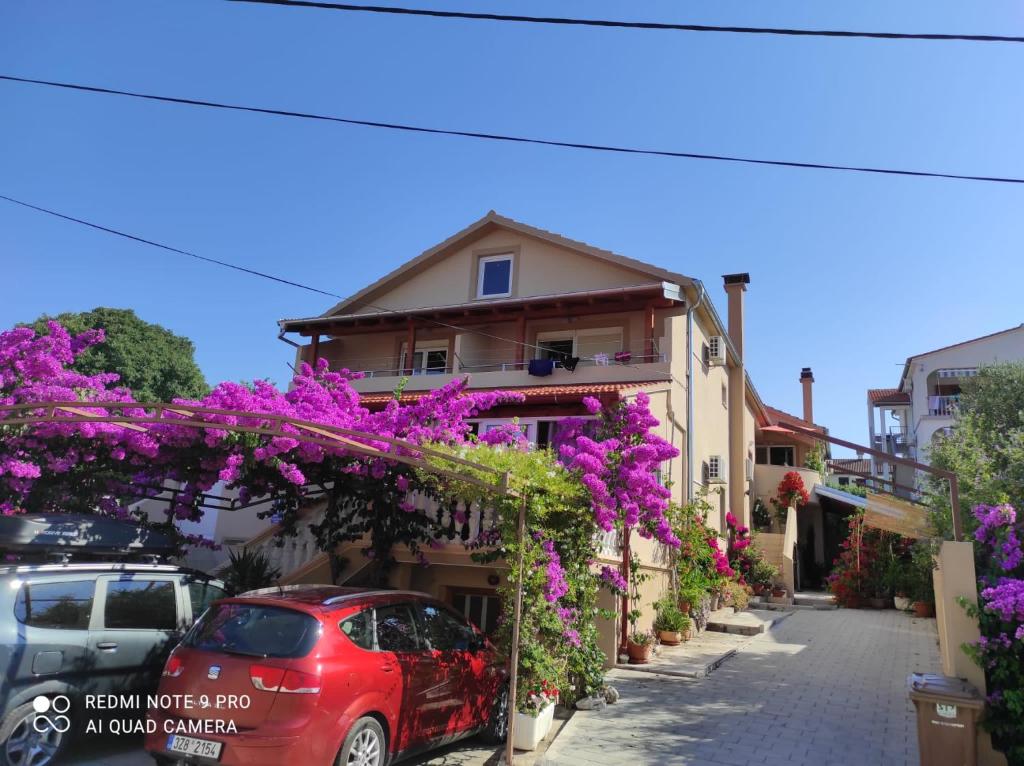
{"x": 204, "y": 748}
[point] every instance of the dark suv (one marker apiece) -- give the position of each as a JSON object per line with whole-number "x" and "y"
{"x": 67, "y": 630}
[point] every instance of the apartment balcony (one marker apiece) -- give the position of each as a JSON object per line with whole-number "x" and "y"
{"x": 485, "y": 372}
{"x": 896, "y": 442}
{"x": 943, "y": 406}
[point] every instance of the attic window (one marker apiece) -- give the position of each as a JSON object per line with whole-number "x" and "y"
{"x": 494, "y": 277}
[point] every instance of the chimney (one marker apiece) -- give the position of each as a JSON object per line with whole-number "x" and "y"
{"x": 735, "y": 286}
{"x": 807, "y": 380}
{"x": 739, "y": 500}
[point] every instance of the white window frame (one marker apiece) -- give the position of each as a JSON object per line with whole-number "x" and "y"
{"x": 425, "y": 348}
{"x": 481, "y": 271}
{"x": 575, "y": 336}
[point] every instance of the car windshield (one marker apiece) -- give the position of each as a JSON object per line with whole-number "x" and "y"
{"x": 251, "y": 629}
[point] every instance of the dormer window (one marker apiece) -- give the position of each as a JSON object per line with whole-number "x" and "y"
{"x": 494, "y": 278}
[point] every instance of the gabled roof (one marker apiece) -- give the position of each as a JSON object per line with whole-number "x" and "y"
{"x": 488, "y": 223}
{"x": 888, "y": 396}
{"x": 906, "y": 366}
{"x": 782, "y": 418}
{"x": 857, "y": 464}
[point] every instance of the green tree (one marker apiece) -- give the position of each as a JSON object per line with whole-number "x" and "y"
{"x": 985, "y": 447}
{"x": 153, "y": 362}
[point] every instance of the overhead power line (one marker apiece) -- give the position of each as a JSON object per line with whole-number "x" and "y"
{"x": 508, "y": 138}
{"x": 179, "y": 251}
{"x": 649, "y": 25}
{"x": 243, "y": 269}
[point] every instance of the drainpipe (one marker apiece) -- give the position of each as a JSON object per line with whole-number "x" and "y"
{"x": 689, "y": 389}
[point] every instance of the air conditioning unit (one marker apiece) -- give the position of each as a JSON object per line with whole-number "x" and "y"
{"x": 716, "y": 469}
{"x": 716, "y": 350}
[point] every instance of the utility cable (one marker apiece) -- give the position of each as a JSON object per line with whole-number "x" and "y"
{"x": 508, "y": 138}
{"x": 645, "y": 25}
{"x": 253, "y": 272}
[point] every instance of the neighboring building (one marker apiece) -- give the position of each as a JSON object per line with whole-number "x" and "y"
{"x": 513, "y": 307}
{"x": 850, "y": 471}
{"x": 904, "y": 421}
{"x": 223, "y": 522}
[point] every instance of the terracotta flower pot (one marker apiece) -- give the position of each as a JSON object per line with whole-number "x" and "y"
{"x": 639, "y": 654}
{"x": 778, "y": 592}
{"x": 758, "y": 589}
{"x": 878, "y": 603}
{"x": 684, "y": 607}
{"x": 670, "y": 637}
{"x": 924, "y": 609}
{"x": 687, "y": 634}
{"x": 853, "y": 601}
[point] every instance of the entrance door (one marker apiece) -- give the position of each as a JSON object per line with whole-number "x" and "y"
{"x": 480, "y": 606}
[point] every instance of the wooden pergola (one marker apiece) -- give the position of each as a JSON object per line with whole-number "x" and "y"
{"x": 138, "y": 415}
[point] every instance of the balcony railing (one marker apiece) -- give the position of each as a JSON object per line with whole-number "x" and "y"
{"x": 943, "y": 405}
{"x": 498, "y": 364}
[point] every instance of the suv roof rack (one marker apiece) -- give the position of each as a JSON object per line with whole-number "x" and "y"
{"x": 59, "y": 536}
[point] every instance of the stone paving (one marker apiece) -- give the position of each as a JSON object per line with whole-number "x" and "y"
{"x": 821, "y": 688}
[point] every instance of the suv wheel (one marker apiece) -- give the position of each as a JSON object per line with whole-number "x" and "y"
{"x": 365, "y": 745}
{"x": 497, "y": 725}
{"x": 23, "y": 743}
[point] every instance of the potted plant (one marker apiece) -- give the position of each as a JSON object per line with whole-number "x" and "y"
{"x": 739, "y": 599}
{"x": 778, "y": 590}
{"x": 639, "y": 648}
{"x": 670, "y": 622}
{"x": 535, "y": 715}
{"x": 761, "y": 576}
{"x": 687, "y": 628}
{"x": 921, "y": 589}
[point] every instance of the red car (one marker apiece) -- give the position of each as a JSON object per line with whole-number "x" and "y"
{"x": 319, "y": 675}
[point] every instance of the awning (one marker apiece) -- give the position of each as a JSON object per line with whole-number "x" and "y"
{"x": 885, "y": 511}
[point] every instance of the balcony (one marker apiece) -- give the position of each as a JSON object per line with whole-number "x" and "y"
{"x": 487, "y": 371}
{"x": 943, "y": 406}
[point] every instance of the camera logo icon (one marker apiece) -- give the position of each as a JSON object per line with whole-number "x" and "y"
{"x": 50, "y": 714}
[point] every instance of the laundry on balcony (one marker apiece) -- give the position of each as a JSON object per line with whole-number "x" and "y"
{"x": 571, "y": 363}
{"x": 541, "y": 368}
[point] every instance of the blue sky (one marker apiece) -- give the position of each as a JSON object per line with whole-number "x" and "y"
{"x": 850, "y": 273}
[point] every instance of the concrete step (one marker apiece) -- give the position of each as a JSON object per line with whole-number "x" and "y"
{"x": 746, "y": 623}
{"x": 757, "y": 603}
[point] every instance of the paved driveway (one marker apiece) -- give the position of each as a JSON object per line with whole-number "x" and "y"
{"x": 821, "y": 688}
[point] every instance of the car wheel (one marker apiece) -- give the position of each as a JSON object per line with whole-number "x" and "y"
{"x": 497, "y": 726}
{"x": 28, "y": 738}
{"x": 365, "y": 745}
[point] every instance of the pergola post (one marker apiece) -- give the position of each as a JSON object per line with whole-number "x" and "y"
{"x": 517, "y": 613}
{"x": 315, "y": 348}
{"x": 410, "y": 349}
{"x": 521, "y": 340}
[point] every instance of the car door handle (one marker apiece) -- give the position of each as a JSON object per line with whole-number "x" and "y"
{"x": 107, "y": 646}
{"x": 388, "y": 668}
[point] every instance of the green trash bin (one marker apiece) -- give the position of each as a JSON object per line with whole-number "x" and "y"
{"x": 948, "y": 710}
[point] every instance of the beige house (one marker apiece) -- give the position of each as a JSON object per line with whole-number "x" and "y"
{"x": 510, "y": 306}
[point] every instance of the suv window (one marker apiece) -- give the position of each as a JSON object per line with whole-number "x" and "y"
{"x": 444, "y": 631}
{"x": 140, "y": 604}
{"x": 359, "y": 629}
{"x": 202, "y": 594}
{"x": 66, "y": 605}
{"x": 396, "y": 629}
{"x": 262, "y": 631}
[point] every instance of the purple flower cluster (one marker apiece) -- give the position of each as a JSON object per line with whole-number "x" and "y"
{"x": 557, "y": 586}
{"x": 38, "y": 463}
{"x": 617, "y": 458}
{"x": 998, "y": 529}
{"x": 613, "y": 579}
{"x": 1006, "y": 599}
